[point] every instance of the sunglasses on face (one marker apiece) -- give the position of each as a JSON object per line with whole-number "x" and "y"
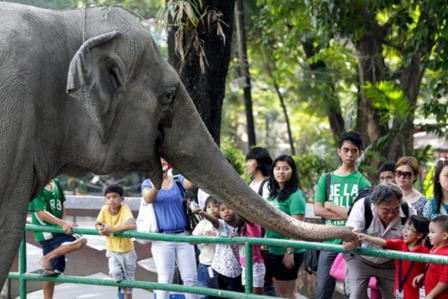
{"x": 404, "y": 174}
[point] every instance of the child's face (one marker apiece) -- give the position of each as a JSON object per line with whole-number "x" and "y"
{"x": 436, "y": 236}
{"x": 113, "y": 200}
{"x": 410, "y": 235}
{"x": 211, "y": 208}
{"x": 225, "y": 213}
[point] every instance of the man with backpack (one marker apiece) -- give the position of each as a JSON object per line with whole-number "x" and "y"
{"x": 385, "y": 205}
{"x": 335, "y": 193}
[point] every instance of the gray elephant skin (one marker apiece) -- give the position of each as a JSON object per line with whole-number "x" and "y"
{"x": 88, "y": 91}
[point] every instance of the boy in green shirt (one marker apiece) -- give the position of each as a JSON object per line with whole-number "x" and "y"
{"x": 48, "y": 209}
{"x": 345, "y": 183}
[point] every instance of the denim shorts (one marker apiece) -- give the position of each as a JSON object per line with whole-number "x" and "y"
{"x": 58, "y": 264}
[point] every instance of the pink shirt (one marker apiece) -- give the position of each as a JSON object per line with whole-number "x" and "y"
{"x": 253, "y": 231}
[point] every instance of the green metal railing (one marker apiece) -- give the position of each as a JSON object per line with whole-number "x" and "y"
{"x": 23, "y": 277}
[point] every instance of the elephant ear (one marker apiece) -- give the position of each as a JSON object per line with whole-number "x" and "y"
{"x": 96, "y": 77}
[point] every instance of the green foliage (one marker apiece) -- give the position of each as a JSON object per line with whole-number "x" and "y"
{"x": 237, "y": 158}
{"x": 390, "y": 101}
{"x": 428, "y": 187}
{"x": 310, "y": 167}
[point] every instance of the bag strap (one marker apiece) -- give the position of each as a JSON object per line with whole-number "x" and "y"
{"x": 327, "y": 185}
{"x": 327, "y": 192}
{"x": 368, "y": 216}
{"x": 260, "y": 189}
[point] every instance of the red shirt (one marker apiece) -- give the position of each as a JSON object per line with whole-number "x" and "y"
{"x": 436, "y": 273}
{"x": 409, "y": 291}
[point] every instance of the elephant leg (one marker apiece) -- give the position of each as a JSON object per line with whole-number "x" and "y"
{"x": 13, "y": 211}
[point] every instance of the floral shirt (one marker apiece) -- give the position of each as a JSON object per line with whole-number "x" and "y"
{"x": 226, "y": 261}
{"x": 419, "y": 205}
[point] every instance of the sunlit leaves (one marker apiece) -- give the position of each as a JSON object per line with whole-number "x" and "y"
{"x": 389, "y": 100}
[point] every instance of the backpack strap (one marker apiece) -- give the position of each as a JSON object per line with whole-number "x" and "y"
{"x": 405, "y": 208}
{"x": 327, "y": 185}
{"x": 260, "y": 189}
{"x": 327, "y": 192}
{"x": 368, "y": 215}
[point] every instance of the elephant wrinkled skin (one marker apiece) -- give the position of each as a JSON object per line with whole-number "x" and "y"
{"x": 88, "y": 91}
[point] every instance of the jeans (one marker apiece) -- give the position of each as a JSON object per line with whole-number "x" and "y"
{"x": 203, "y": 278}
{"x": 165, "y": 254}
{"x": 325, "y": 282}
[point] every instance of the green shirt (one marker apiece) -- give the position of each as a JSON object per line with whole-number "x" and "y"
{"x": 293, "y": 205}
{"x": 50, "y": 201}
{"x": 343, "y": 190}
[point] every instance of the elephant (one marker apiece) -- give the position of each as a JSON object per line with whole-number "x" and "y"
{"x": 88, "y": 91}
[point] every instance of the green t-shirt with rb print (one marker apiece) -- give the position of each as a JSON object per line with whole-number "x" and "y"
{"x": 343, "y": 190}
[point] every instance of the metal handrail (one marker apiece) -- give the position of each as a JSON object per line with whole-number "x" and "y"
{"x": 22, "y": 276}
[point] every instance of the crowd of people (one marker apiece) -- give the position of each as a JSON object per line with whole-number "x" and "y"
{"x": 399, "y": 218}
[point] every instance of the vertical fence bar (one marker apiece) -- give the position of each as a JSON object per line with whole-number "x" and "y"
{"x": 22, "y": 266}
{"x": 248, "y": 270}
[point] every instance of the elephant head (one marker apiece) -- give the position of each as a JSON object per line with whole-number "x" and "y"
{"x": 133, "y": 95}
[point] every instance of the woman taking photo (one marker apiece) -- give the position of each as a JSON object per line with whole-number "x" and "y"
{"x": 287, "y": 197}
{"x": 406, "y": 174}
{"x": 439, "y": 204}
{"x": 171, "y": 219}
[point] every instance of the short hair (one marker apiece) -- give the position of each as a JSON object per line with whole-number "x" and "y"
{"x": 114, "y": 188}
{"x": 442, "y": 222}
{"x": 263, "y": 158}
{"x": 385, "y": 193}
{"x": 353, "y": 137}
{"x": 387, "y": 166}
{"x": 438, "y": 194}
{"x": 411, "y": 161}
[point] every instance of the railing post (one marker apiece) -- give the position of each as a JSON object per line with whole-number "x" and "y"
{"x": 22, "y": 266}
{"x": 249, "y": 265}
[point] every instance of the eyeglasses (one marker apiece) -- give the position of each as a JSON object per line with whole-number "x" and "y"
{"x": 408, "y": 228}
{"x": 386, "y": 211}
{"x": 404, "y": 174}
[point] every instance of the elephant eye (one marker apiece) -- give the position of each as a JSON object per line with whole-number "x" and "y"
{"x": 170, "y": 96}
{"x": 166, "y": 99}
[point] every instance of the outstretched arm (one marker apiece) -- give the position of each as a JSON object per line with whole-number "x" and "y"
{"x": 212, "y": 219}
{"x": 374, "y": 240}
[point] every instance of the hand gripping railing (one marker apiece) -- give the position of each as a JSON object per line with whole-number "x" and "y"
{"x": 22, "y": 276}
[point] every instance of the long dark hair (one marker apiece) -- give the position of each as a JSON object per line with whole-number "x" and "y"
{"x": 438, "y": 194}
{"x": 291, "y": 186}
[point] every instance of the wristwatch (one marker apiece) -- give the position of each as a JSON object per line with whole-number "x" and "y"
{"x": 289, "y": 251}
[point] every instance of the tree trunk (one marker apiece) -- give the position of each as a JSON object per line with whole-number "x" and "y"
{"x": 368, "y": 50}
{"x": 207, "y": 90}
{"x": 244, "y": 68}
{"x": 333, "y": 112}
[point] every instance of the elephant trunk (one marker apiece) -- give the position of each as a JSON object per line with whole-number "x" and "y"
{"x": 188, "y": 146}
